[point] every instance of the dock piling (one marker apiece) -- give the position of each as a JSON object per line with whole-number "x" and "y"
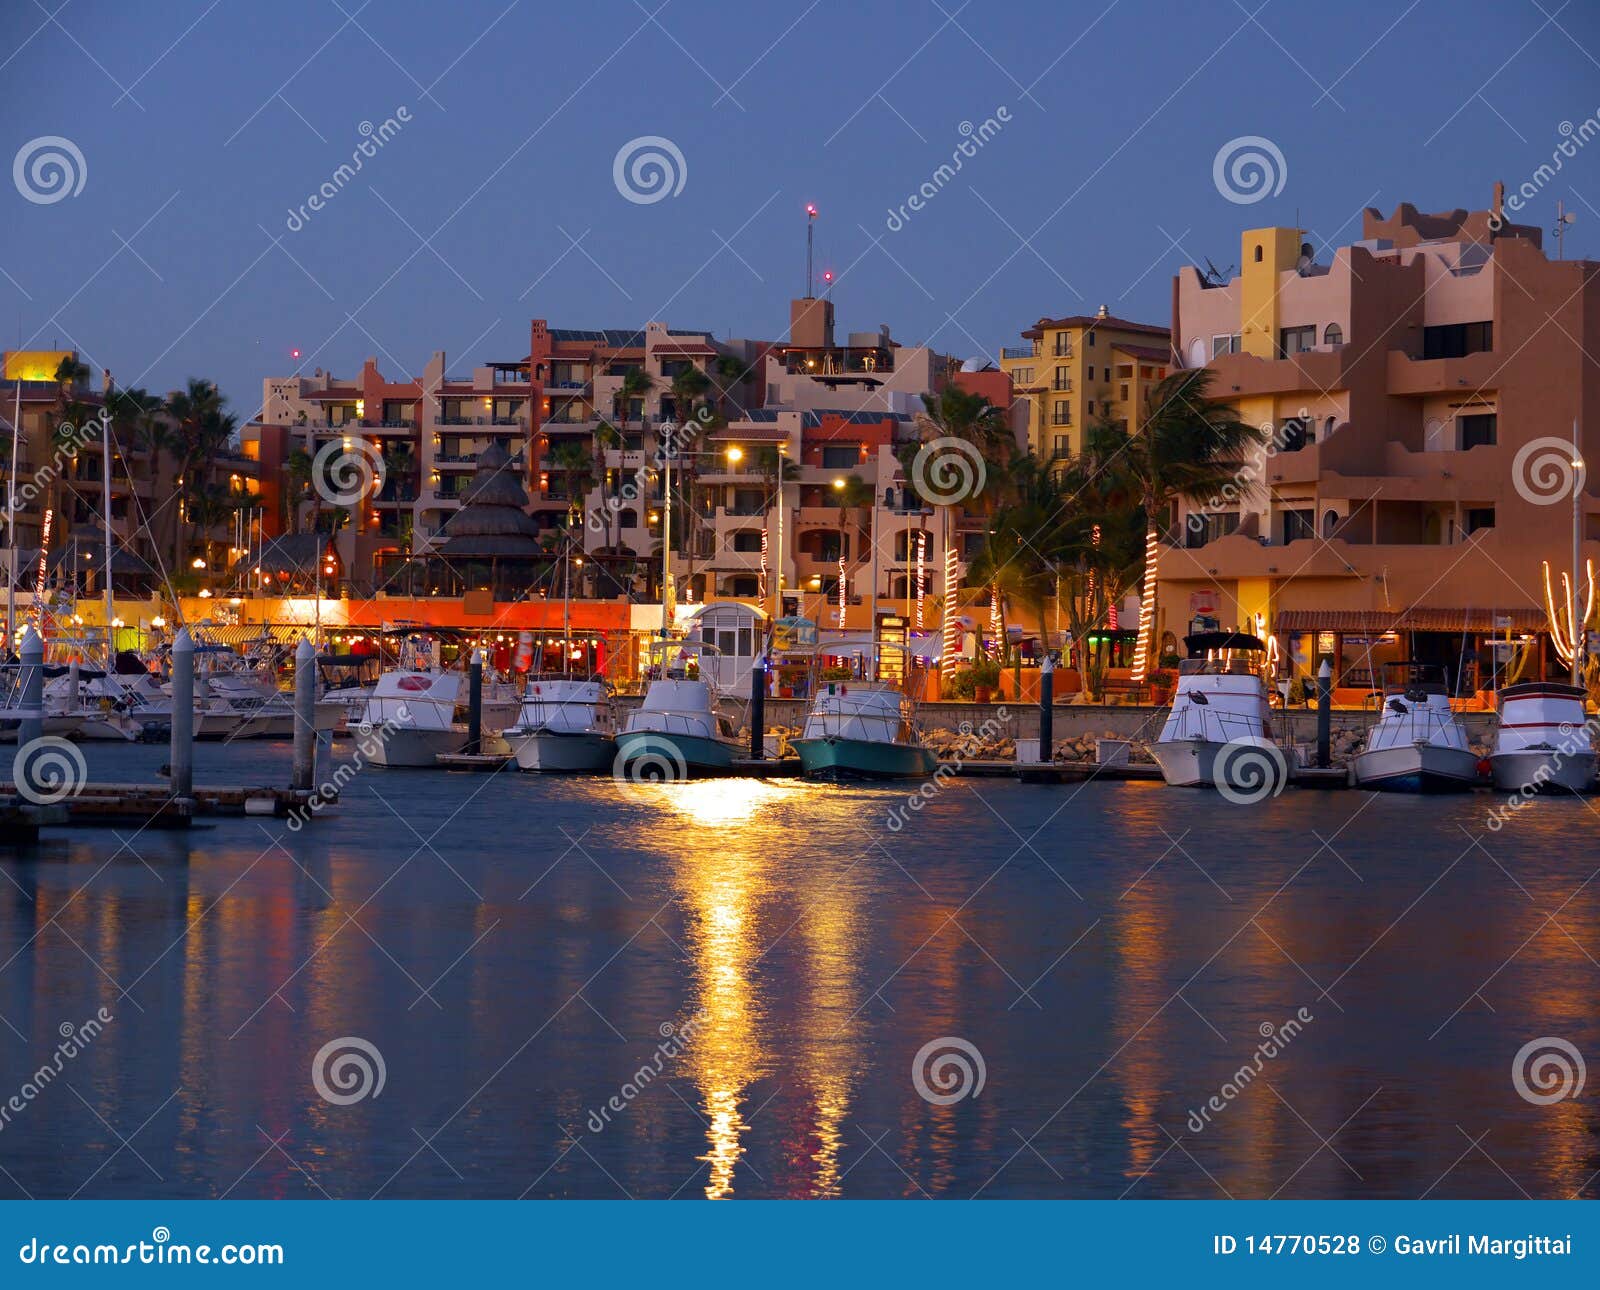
{"x": 475, "y": 704}
{"x": 31, "y": 726}
{"x": 758, "y": 709}
{"x": 1325, "y": 715}
{"x": 1047, "y": 716}
{"x": 182, "y": 753}
{"x": 305, "y": 721}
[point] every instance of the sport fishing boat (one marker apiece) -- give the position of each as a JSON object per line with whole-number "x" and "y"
{"x": 859, "y": 727}
{"x": 1543, "y": 740}
{"x": 1220, "y": 703}
{"x": 412, "y": 715}
{"x": 677, "y": 730}
{"x": 1418, "y": 744}
{"x": 566, "y": 724}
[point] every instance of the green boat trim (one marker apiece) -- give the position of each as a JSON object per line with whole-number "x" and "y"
{"x": 832, "y": 757}
{"x": 696, "y": 754}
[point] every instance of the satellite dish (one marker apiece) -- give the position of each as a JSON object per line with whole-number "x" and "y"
{"x": 975, "y": 364}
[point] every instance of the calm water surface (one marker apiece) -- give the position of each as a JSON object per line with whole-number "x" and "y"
{"x": 514, "y": 948}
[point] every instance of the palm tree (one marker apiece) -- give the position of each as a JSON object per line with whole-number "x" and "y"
{"x": 1190, "y": 446}
{"x": 852, "y": 494}
{"x": 970, "y": 419}
{"x": 297, "y": 472}
{"x": 636, "y": 384}
{"x": 201, "y": 429}
{"x": 727, "y": 374}
{"x": 575, "y": 461}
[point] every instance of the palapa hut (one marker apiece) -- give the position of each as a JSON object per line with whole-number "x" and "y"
{"x": 492, "y": 542}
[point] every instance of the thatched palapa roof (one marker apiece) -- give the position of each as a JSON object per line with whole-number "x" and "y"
{"x": 493, "y": 520}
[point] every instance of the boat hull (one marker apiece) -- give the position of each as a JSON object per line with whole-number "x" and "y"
{"x": 832, "y": 757}
{"x": 1187, "y": 763}
{"x": 1538, "y": 770}
{"x": 561, "y": 752}
{"x": 413, "y": 748}
{"x": 1417, "y": 768}
{"x": 670, "y": 752}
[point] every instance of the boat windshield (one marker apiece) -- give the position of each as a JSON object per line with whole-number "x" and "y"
{"x": 1227, "y": 662}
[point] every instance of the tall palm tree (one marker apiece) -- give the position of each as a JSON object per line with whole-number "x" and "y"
{"x": 636, "y": 384}
{"x": 1190, "y": 446}
{"x": 576, "y": 462}
{"x": 201, "y": 428}
{"x": 954, "y": 413}
{"x": 297, "y": 471}
{"x": 852, "y": 496}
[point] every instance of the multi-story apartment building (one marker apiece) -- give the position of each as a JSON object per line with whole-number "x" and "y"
{"x": 63, "y": 480}
{"x": 430, "y": 429}
{"x": 1415, "y": 384}
{"x": 1081, "y": 369}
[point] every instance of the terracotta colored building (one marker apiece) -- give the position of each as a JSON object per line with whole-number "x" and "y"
{"x": 1420, "y": 389}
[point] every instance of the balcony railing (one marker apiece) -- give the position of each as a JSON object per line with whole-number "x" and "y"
{"x": 1020, "y": 351}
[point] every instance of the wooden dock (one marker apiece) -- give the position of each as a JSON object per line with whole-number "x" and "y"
{"x": 150, "y": 805}
{"x": 472, "y": 761}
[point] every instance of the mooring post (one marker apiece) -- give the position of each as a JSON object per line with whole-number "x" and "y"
{"x": 305, "y": 715}
{"x": 31, "y": 726}
{"x": 758, "y": 709}
{"x": 475, "y": 704}
{"x": 1325, "y": 715}
{"x": 182, "y": 754}
{"x": 1047, "y": 715}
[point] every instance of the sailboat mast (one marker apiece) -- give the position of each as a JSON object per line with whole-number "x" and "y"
{"x": 566, "y": 611}
{"x": 666, "y": 539}
{"x": 105, "y": 512}
{"x": 11, "y": 526}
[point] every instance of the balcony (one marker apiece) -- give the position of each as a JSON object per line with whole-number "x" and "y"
{"x": 1020, "y": 351}
{"x": 1423, "y": 376}
{"x": 1307, "y": 372}
{"x": 455, "y": 462}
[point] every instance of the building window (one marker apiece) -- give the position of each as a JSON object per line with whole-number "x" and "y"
{"x": 1064, "y": 344}
{"x": 1061, "y": 413}
{"x": 1297, "y": 525}
{"x": 1330, "y": 523}
{"x": 1207, "y": 526}
{"x": 1024, "y": 376}
{"x": 1296, "y": 340}
{"x": 1060, "y": 449}
{"x": 1457, "y": 340}
{"x": 1477, "y": 431}
{"x": 627, "y": 518}
{"x": 1091, "y": 373}
{"x": 1124, "y": 394}
{"x": 745, "y": 540}
{"x": 1292, "y": 435}
{"x": 1258, "y": 253}
{"x": 1091, "y": 340}
{"x": 1333, "y": 334}
{"x": 1063, "y": 379}
{"x": 1089, "y": 408}
{"x": 1480, "y": 517}
{"x": 840, "y": 456}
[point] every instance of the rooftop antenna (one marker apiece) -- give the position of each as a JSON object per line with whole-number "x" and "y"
{"x": 1215, "y": 277}
{"x": 1563, "y": 218}
{"x": 811, "y": 220}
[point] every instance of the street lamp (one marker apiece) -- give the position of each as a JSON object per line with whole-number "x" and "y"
{"x": 735, "y": 455}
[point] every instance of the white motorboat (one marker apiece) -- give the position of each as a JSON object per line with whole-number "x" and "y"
{"x": 1418, "y": 744}
{"x": 566, "y": 724}
{"x": 860, "y": 727}
{"x": 1218, "y": 733}
{"x": 1543, "y": 743}
{"x": 412, "y": 715}
{"x": 677, "y": 731}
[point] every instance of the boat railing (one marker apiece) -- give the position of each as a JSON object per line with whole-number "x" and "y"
{"x": 1191, "y": 721}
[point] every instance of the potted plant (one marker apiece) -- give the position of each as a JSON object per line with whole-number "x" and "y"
{"x": 985, "y": 676}
{"x": 1161, "y": 683}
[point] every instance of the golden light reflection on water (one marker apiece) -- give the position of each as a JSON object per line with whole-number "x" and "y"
{"x": 728, "y": 881}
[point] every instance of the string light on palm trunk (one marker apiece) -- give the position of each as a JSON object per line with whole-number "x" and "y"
{"x": 994, "y": 618}
{"x": 922, "y": 574}
{"x": 950, "y": 645}
{"x": 1566, "y": 635}
{"x": 1147, "y": 608}
{"x": 763, "y": 579}
{"x": 841, "y": 586}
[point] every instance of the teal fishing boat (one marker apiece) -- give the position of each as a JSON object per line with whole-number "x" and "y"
{"x": 677, "y": 732}
{"x": 861, "y": 727}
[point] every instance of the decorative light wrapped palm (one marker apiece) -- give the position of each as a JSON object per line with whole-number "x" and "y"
{"x": 950, "y": 643}
{"x": 1566, "y": 635}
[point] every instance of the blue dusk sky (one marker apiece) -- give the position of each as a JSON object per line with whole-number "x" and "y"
{"x": 199, "y": 131}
